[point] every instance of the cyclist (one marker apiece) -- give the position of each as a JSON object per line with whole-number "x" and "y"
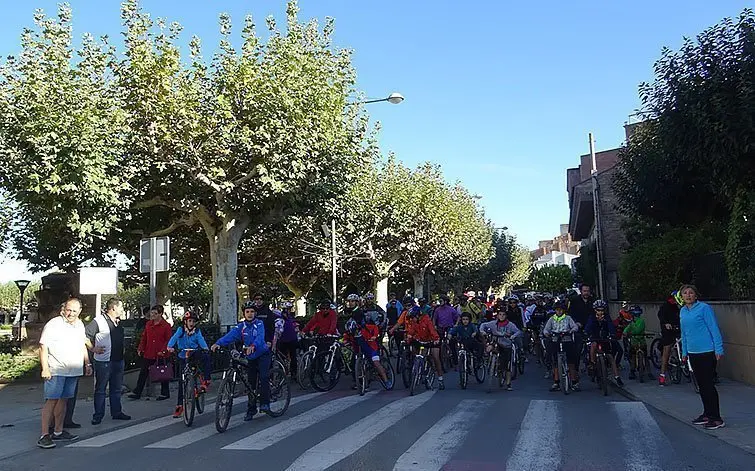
{"x": 635, "y": 331}
{"x": 600, "y": 330}
{"x": 514, "y": 314}
{"x": 467, "y": 333}
{"x": 470, "y": 305}
{"x": 375, "y": 313}
{"x": 324, "y": 320}
{"x": 186, "y": 337}
{"x": 621, "y": 322}
{"x": 505, "y": 333}
{"x": 362, "y": 335}
{"x": 268, "y": 317}
{"x": 251, "y": 333}
{"x": 561, "y": 324}
{"x": 668, "y": 315}
{"x": 419, "y": 328}
{"x": 425, "y": 307}
{"x": 537, "y": 319}
{"x": 287, "y": 335}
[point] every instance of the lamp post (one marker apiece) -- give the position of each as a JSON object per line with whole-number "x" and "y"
{"x": 21, "y": 284}
{"x": 394, "y": 98}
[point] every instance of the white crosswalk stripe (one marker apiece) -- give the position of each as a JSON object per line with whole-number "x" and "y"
{"x": 297, "y": 423}
{"x": 352, "y": 438}
{"x": 641, "y": 436}
{"x": 187, "y": 438}
{"x": 432, "y": 450}
{"x": 528, "y": 452}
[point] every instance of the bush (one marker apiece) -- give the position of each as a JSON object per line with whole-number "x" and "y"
{"x": 6, "y": 327}
{"x": 652, "y": 269}
{"x": 9, "y": 346}
{"x": 13, "y": 367}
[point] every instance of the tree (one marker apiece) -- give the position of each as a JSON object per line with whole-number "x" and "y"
{"x": 521, "y": 268}
{"x": 552, "y": 279}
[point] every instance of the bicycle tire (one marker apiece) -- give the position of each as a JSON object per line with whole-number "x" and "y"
{"x": 322, "y": 380}
{"x": 603, "y": 369}
{"x": 675, "y": 368}
{"x": 416, "y": 374}
{"x": 389, "y": 374}
{"x": 513, "y": 366}
{"x": 640, "y": 366}
{"x": 360, "y": 371}
{"x": 463, "y": 374}
{"x": 280, "y": 391}
{"x": 656, "y": 352}
{"x": 190, "y": 390}
{"x": 406, "y": 368}
{"x": 479, "y": 370}
{"x": 393, "y": 349}
{"x": 224, "y": 403}
{"x": 492, "y": 377}
{"x": 563, "y": 367}
{"x": 200, "y": 400}
{"x": 445, "y": 361}
{"x": 303, "y": 373}
{"x": 520, "y": 364}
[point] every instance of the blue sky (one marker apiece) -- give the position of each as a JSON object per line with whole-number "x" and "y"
{"x": 502, "y": 94}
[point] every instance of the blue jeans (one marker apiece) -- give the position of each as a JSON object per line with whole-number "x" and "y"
{"x": 107, "y": 373}
{"x": 260, "y": 366}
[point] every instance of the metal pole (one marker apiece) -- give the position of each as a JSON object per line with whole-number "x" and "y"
{"x": 335, "y": 259}
{"x": 152, "y": 271}
{"x": 21, "y": 316}
{"x": 598, "y": 226}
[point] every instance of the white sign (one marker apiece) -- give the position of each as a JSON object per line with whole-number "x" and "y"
{"x": 98, "y": 280}
{"x": 162, "y": 254}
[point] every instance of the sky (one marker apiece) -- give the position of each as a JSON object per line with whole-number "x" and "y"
{"x": 501, "y": 94}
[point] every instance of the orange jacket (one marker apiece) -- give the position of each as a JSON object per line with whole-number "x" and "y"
{"x": 422, "y": 329}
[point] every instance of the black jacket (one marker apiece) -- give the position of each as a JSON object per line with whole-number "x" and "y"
{"x": 580, "y": 311}
{"x": 669, "y": 314}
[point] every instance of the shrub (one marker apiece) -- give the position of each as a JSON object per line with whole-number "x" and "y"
{"x": 13, "y": 367}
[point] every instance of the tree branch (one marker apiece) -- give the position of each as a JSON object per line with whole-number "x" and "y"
{"x": 186, "y": 221}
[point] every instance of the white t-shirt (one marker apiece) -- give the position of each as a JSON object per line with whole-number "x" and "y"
{"x": 65, "y": 346}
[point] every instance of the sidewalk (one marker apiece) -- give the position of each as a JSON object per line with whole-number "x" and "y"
{"x": 681, "y": 402}
{"x": 21, "y": 408}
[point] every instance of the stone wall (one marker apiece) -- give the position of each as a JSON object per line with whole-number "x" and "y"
{"x": 737, "y": 323}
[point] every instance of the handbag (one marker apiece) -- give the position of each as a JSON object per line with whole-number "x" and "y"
{"x": 161, "y": 370}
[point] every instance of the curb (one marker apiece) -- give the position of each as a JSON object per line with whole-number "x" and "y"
{"x": 685, "y": 421}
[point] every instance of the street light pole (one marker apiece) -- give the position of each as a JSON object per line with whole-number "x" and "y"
{"x": 598, "y": 224}
{"x": 334, "y": 254}
{"x": 394, "y": 98}
{"x": 21, "y": 284}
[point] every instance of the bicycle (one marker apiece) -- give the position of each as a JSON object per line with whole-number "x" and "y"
{"x": 327, "y": 366}
{"x": 404, "y": 364}
{"x": 303, "y": 374}
{"x": 468, "y": 363}
{"x": 193, "y": 393}
{"x": 600, "y": 370}
{"x": 365, "y": 372}
{"x": 641, "y": 361}
{"x": 280, "y": 392}
{"x": 562, "y": 362}
{"x": 656, "y": 351}
{"x": 422, "y": 371}
{"x": 446, "y": 359}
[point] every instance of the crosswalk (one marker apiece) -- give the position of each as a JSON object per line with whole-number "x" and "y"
{"x": 426, "y": 432}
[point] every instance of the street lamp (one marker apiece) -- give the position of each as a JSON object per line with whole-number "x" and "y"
{"x": 394, "y": 98}
{"x": 21, "y": 284}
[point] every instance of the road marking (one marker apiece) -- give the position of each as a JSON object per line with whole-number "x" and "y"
{"x": 344, "y": 443}
{"x": 196, "y": 434}
{"x": 641, "y": 436}
{"x": 538, "y": 444}
{"x": 433, "y": 449}
{"x": 281, "y": 430}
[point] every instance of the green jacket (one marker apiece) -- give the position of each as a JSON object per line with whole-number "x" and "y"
{"x": 636, "y": 330}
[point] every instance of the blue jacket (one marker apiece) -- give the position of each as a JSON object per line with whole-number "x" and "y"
{"x": 250, "y": 333}
{"x": 600, "y": 330}
{"x": 181, "y": 340}
{"x": 700, "y": 332}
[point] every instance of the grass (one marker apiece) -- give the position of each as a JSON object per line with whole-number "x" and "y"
{"x": 6, "y": 326}
{"x": 15, "y": 367}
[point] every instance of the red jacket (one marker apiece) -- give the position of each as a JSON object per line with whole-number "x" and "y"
{"x": 422, "y": 329}
{"x": 155, "y": 338}
{"x": 323, "y": 324}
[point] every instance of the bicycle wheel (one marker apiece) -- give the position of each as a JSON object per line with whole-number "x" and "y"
{"x": 360, "y": 371}
{"x": 656, "y": 352}
{"x": 492, "y": 372}
{"x": 389, "y": 374}
{"x": 393, "y": 346}
{"x": 563, "y": 368}
{"x": 200, "y": 398}
{"x": 280, "y": 391}
{"x": 603, "y": 372}
{"x": 406, "y": 368}
{"x": 321, "y": 379}
{"x": 190, "y": 390}
{"x": 640, "y": 366}
{"x": 675, "y": 368}
{"x": 303, "y": 373}
{"x": 463, "y": 373}
{"x": 513, "y": 365}
{"x": 416, "y": 375}
{"x": 224, "y": 403}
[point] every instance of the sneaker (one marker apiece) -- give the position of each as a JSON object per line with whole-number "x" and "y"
{"x": 121, "y": 416}
{"x": 618, "y": 380}
{"x": 714, "y": 424}
{"x": 441, "y": 385}
{"x": 134, "y": 396}
{"x": 661, "y": 379}
{"x": 509, "y": 388}
{"x": 547, "y": 375}
{"x": 97, "y": 421}
{"x": 46, "y": 442}
{"x": 632, "y": 375}
{"x": 556, "y": 387}
{"x": 701, "y": 420}
{"x": 575, "y": 387}
{"x": 205, "y": 386}
{"x": 265, "y": 408}
{"x": 250, "y": 413}
{"x": 178, "y": 412}
{"x": 64, "y": 435}
{"x": 162, "y": 398}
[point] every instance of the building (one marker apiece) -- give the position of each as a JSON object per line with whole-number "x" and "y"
{"x": 582, "y": 225}
{"x": 561, "y": 243}
{"x": 555, "y": 258}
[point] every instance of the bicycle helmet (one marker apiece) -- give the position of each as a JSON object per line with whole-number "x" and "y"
{"x": 369, "y": 297}
{"x": 190, "y": 315}
{"x": 249, "y": 305}
{"x": 352, "y": 327}
{"x": 677, "y": 295}
{"x": 287, "y": 305}
{"x": 414, "y": 311}
{"x": 422, "y": 301}
{"x": 635, "y": 311}
{"x": 599, "y": 304}
{"x": 513, "y": 297}
{"x": 353, "y": 297}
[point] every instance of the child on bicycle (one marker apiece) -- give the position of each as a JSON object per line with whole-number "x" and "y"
{"x": 420, "y": 328}
{"x": 635, "y": 331}
{"x": 466, "y": 333}
{"x": 190, "y": 337}
{"x": 251, "y": 332}
{"x": 363, "y": 335}
{"x": 561, "y": 328}
{"x": 505, "y": 333}
{"x": 600, "y": 330}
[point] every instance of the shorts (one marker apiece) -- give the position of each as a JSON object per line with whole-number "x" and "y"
{"x": 61, "y": 387}
{"x": 668, "y": 337}
{"x": 569, "y": 348}
{"x": 365, "y": 348}
{"x": 504, "y": 355}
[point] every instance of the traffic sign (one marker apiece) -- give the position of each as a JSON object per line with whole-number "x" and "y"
{"x": 161, "y": 253}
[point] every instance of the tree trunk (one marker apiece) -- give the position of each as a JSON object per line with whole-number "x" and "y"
{"x": 381, "y": 271}
{"x": 419, "y": 282}
{"x": 224, "y": 248}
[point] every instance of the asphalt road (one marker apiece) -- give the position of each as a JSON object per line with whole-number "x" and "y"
{"x": 525, "y": 429}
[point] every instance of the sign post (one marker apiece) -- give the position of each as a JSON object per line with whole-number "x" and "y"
{"x": 98, "y": 281}
{"x": 154, "y": 256}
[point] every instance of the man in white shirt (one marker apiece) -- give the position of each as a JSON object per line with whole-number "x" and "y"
{"x": 62, "y": 355}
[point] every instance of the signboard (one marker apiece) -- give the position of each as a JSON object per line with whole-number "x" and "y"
{"x": 98, "y": 280}
{"x": 161, "y": 253}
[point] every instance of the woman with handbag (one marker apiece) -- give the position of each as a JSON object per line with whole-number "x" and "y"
{"x": 153, "y": 350}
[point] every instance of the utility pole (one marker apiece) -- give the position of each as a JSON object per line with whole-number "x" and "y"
{"x": 596, "y": 211}
{"x": 335, "y": 259}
